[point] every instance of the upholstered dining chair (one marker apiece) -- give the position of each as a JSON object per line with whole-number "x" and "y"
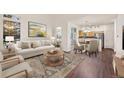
{"x": 78, "y": 48}
{"x": 92, "y": 47}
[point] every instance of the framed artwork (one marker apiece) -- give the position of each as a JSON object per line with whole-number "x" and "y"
{"x": 11, "y": 27}
{"x": 37, "y": 29}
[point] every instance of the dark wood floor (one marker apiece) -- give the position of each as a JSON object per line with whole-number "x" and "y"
{"x": 95, "y": 67}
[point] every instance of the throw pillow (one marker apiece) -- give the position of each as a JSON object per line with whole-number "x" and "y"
{"x": 47, "y": 43}
{"x": 18, "y": 44}
{"x": 35, "y": 44}
{"x": 25, "y": 45}
{"x": 120, "y": 55}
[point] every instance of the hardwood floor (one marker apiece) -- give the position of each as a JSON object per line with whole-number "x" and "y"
{"x": 95, "y": 67}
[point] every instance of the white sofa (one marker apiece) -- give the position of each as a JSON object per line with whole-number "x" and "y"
{"x": 30, "y": 52}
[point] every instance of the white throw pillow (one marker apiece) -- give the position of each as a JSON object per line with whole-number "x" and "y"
{"x": 18, "y": 44}
{"x": 35, "y": 44}
{"x": 120, "y": 55}
{"x": 25, "y": 45}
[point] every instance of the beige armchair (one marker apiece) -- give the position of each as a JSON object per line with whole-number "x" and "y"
{"x": 92, "y": 47}
{"x": 118, "y": 65}
{"x": 14, "y": 67}
{"x": 9, "y": 62}
{"x": 18, "y": 71}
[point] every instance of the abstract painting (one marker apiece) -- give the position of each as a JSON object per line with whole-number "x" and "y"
{"x": 37, "y": 29}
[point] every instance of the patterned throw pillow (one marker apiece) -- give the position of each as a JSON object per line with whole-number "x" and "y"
{"x": 35, "y": 44}
{"x": 25, "y": 45}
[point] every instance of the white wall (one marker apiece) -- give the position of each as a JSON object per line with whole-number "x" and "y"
{"x": 115, "y": 34}
{"x": 24, "y": 18}
{"x": 119, "y": 23}
{"x": 109, "y": 36}
{"x": 1, "y": 32}
{"x": 64, "y": 24}
{"x": 51, "y": 24}
{"x": 69, "y": 45}
{"x": 40, "y": 18}
{"x": 43, "y": 19}
{"x": 108, "y": 30}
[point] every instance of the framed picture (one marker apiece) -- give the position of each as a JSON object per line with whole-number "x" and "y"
{"x": 37, "y": 29}
{"x": 11, "y": 27}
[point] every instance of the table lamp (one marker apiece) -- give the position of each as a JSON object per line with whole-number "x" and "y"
{"x": 9, "y": 39}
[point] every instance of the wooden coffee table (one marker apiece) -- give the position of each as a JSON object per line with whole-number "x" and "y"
{"x": 53, "y": 60}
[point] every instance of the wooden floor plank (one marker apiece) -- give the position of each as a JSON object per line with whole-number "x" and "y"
{"x": 95, "y": 67}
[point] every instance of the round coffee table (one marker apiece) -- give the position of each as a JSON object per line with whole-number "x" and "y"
{"x": 55, "y": 59}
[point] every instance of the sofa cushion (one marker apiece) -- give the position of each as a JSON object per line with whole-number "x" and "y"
{"x": 42, "y": 42}
{"x": 35, "y": 44}
{"x": 25, "y": 45}
{"x": 26, "y": 50}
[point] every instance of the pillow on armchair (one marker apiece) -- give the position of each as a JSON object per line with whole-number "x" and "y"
{"x": 0, "y": 71}
{"x": 120, "y": 55}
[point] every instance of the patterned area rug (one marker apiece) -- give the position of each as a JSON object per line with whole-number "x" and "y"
{"x": 40, "y": 70}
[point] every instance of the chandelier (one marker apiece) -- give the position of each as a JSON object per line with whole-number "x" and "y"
{"x": 88, "y": 27}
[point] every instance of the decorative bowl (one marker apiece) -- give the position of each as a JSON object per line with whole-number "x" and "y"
{"x": 52, "y": 52}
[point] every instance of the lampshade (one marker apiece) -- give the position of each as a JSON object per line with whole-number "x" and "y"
{"x": 9, "y": 38}
{"x": 53, "y": 38}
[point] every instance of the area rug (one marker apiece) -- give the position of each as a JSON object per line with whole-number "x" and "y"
{"x": 40, "y": 70}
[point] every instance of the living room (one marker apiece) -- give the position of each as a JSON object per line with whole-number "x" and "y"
{"x": 69, "y": 34}
{"x": 61, "y": 46}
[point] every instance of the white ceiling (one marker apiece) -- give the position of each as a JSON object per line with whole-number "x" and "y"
{"x": 96, "y": 19}
{"x": 80, "y": 19}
